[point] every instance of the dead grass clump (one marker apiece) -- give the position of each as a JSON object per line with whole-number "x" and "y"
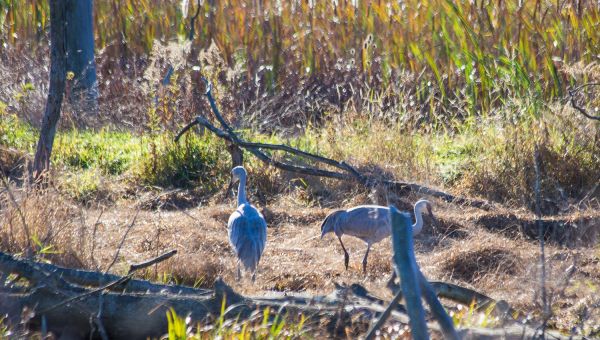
{"x": 169, "y": 200}
{"x": 472, "y": 265}
{"x": 195, "y": 271}
{"x": 574, "y": 230}
{"x": 504, "y": 171}
{"x": 12, "y": 162}
{"x": 290, "y": 282}
{"x": 44, "y": 225}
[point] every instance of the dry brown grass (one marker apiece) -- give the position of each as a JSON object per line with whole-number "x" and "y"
{"x": 457, "y": 249}
{"x": 44, "y": 225}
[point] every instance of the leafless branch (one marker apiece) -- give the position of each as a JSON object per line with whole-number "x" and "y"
{"x": 94, "y": 230}
{"x": 122, "y": 242}
{"x": 193, "y": 21}
{"x": 345, "y": 170}
{"x": 122, "y": 310}
{"x": 135, "y": 267}
{"x": 576, "y": 106}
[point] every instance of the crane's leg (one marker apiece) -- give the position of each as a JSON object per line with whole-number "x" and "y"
{"x": 346, "y": 256}
{"x": 254, "y": 276}
{"x": 364, "y": 262}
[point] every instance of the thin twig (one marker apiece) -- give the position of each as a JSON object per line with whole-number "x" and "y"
{"x": 122, "y": 242}
{"x": 384, "y": 316}
{"x": 92, "y": 258}
{"x": 576, "y": 106}
{"x": 193, "y": 22}
{"x": 89, "y": 293}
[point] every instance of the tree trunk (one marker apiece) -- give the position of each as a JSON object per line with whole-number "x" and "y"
{"x": 83, "y": 94}
{"x": 58, "y": 63}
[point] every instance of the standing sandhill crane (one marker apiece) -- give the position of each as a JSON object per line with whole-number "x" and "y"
{"x": 370, "y": 223}
{"x": 246, "y": 227}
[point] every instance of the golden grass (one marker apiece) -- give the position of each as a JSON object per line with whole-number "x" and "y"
{"x": 296, "y": 259}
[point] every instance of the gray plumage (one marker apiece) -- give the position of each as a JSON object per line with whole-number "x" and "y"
{"x": 370, "y": 223}
{"x": 246, "y": 227}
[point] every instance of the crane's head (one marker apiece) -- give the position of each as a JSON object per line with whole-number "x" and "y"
{"x": 423, "y": 204}
{"x": 237, "y": 173}
{"x": 329, "y": 222}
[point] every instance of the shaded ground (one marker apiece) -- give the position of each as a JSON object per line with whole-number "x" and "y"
{"x": 487, "y": 251}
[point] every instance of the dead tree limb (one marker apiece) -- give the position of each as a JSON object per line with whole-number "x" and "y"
{"x": 345, "y": 170}
{"x": 132, "y": 269}
{"x": 406, "y": 268}
{"x": 137, "y": 266}
{"x": 83, "y": 278}
{"x": 581, "y": 110}
{"x": 127, "y": 313}
{"x": 468, "y": 296}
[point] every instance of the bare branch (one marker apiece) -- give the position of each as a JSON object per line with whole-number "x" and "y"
{"x": 576, "y": 106}
{"x": 348, "y": 172}
{"x": 145, "y": 264}
{"x": 122, "y": 242}
{"x": 120, "y": 312}
{"x": 89, "y": 278}
{"x": 93, "y": 248}
{"x": 193, "y": 21}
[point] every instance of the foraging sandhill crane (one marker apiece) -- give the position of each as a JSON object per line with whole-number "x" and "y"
{"x": 370, "y": 223}
{"x": 246, "y": 227}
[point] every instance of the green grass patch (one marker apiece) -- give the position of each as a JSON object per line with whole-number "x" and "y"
{"x": 194, "y": 161}
{"x": 491, "y": 158}
{"x": 86, "y": 156}
{"x": 110, "y": 152}
{"x": 266, "y": 325}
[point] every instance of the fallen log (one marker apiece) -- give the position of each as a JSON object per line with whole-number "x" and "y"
{"x": 87, "y": 278}
{"x": 54, "y": 297}
{"x": 137, "y": 309}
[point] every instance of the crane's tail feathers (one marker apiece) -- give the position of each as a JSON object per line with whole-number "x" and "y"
{"x": 249, "y": 254}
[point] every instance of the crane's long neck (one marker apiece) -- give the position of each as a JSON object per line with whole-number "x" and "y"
{"x": 418, "y": 226}
{"x": 242, "y": 190}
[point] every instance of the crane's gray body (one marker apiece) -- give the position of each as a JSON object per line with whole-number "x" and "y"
{"x": 247, "y": 228}
{"x": 247, "y": 231}
{"x": 369, "y": 223}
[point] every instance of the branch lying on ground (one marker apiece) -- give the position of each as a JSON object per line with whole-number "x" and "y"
{"x": 346, "y": 171}
{"x": 132, "y": 269}
{"x": 576, "y": 106}
{"x": 95, "y": 279}
{"x": 125, "y": 309}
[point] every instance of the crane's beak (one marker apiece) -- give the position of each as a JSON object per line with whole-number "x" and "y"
{"x": 232, "y": 181}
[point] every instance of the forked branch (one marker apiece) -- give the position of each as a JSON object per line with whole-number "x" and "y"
{"x": 344, "y": 170}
